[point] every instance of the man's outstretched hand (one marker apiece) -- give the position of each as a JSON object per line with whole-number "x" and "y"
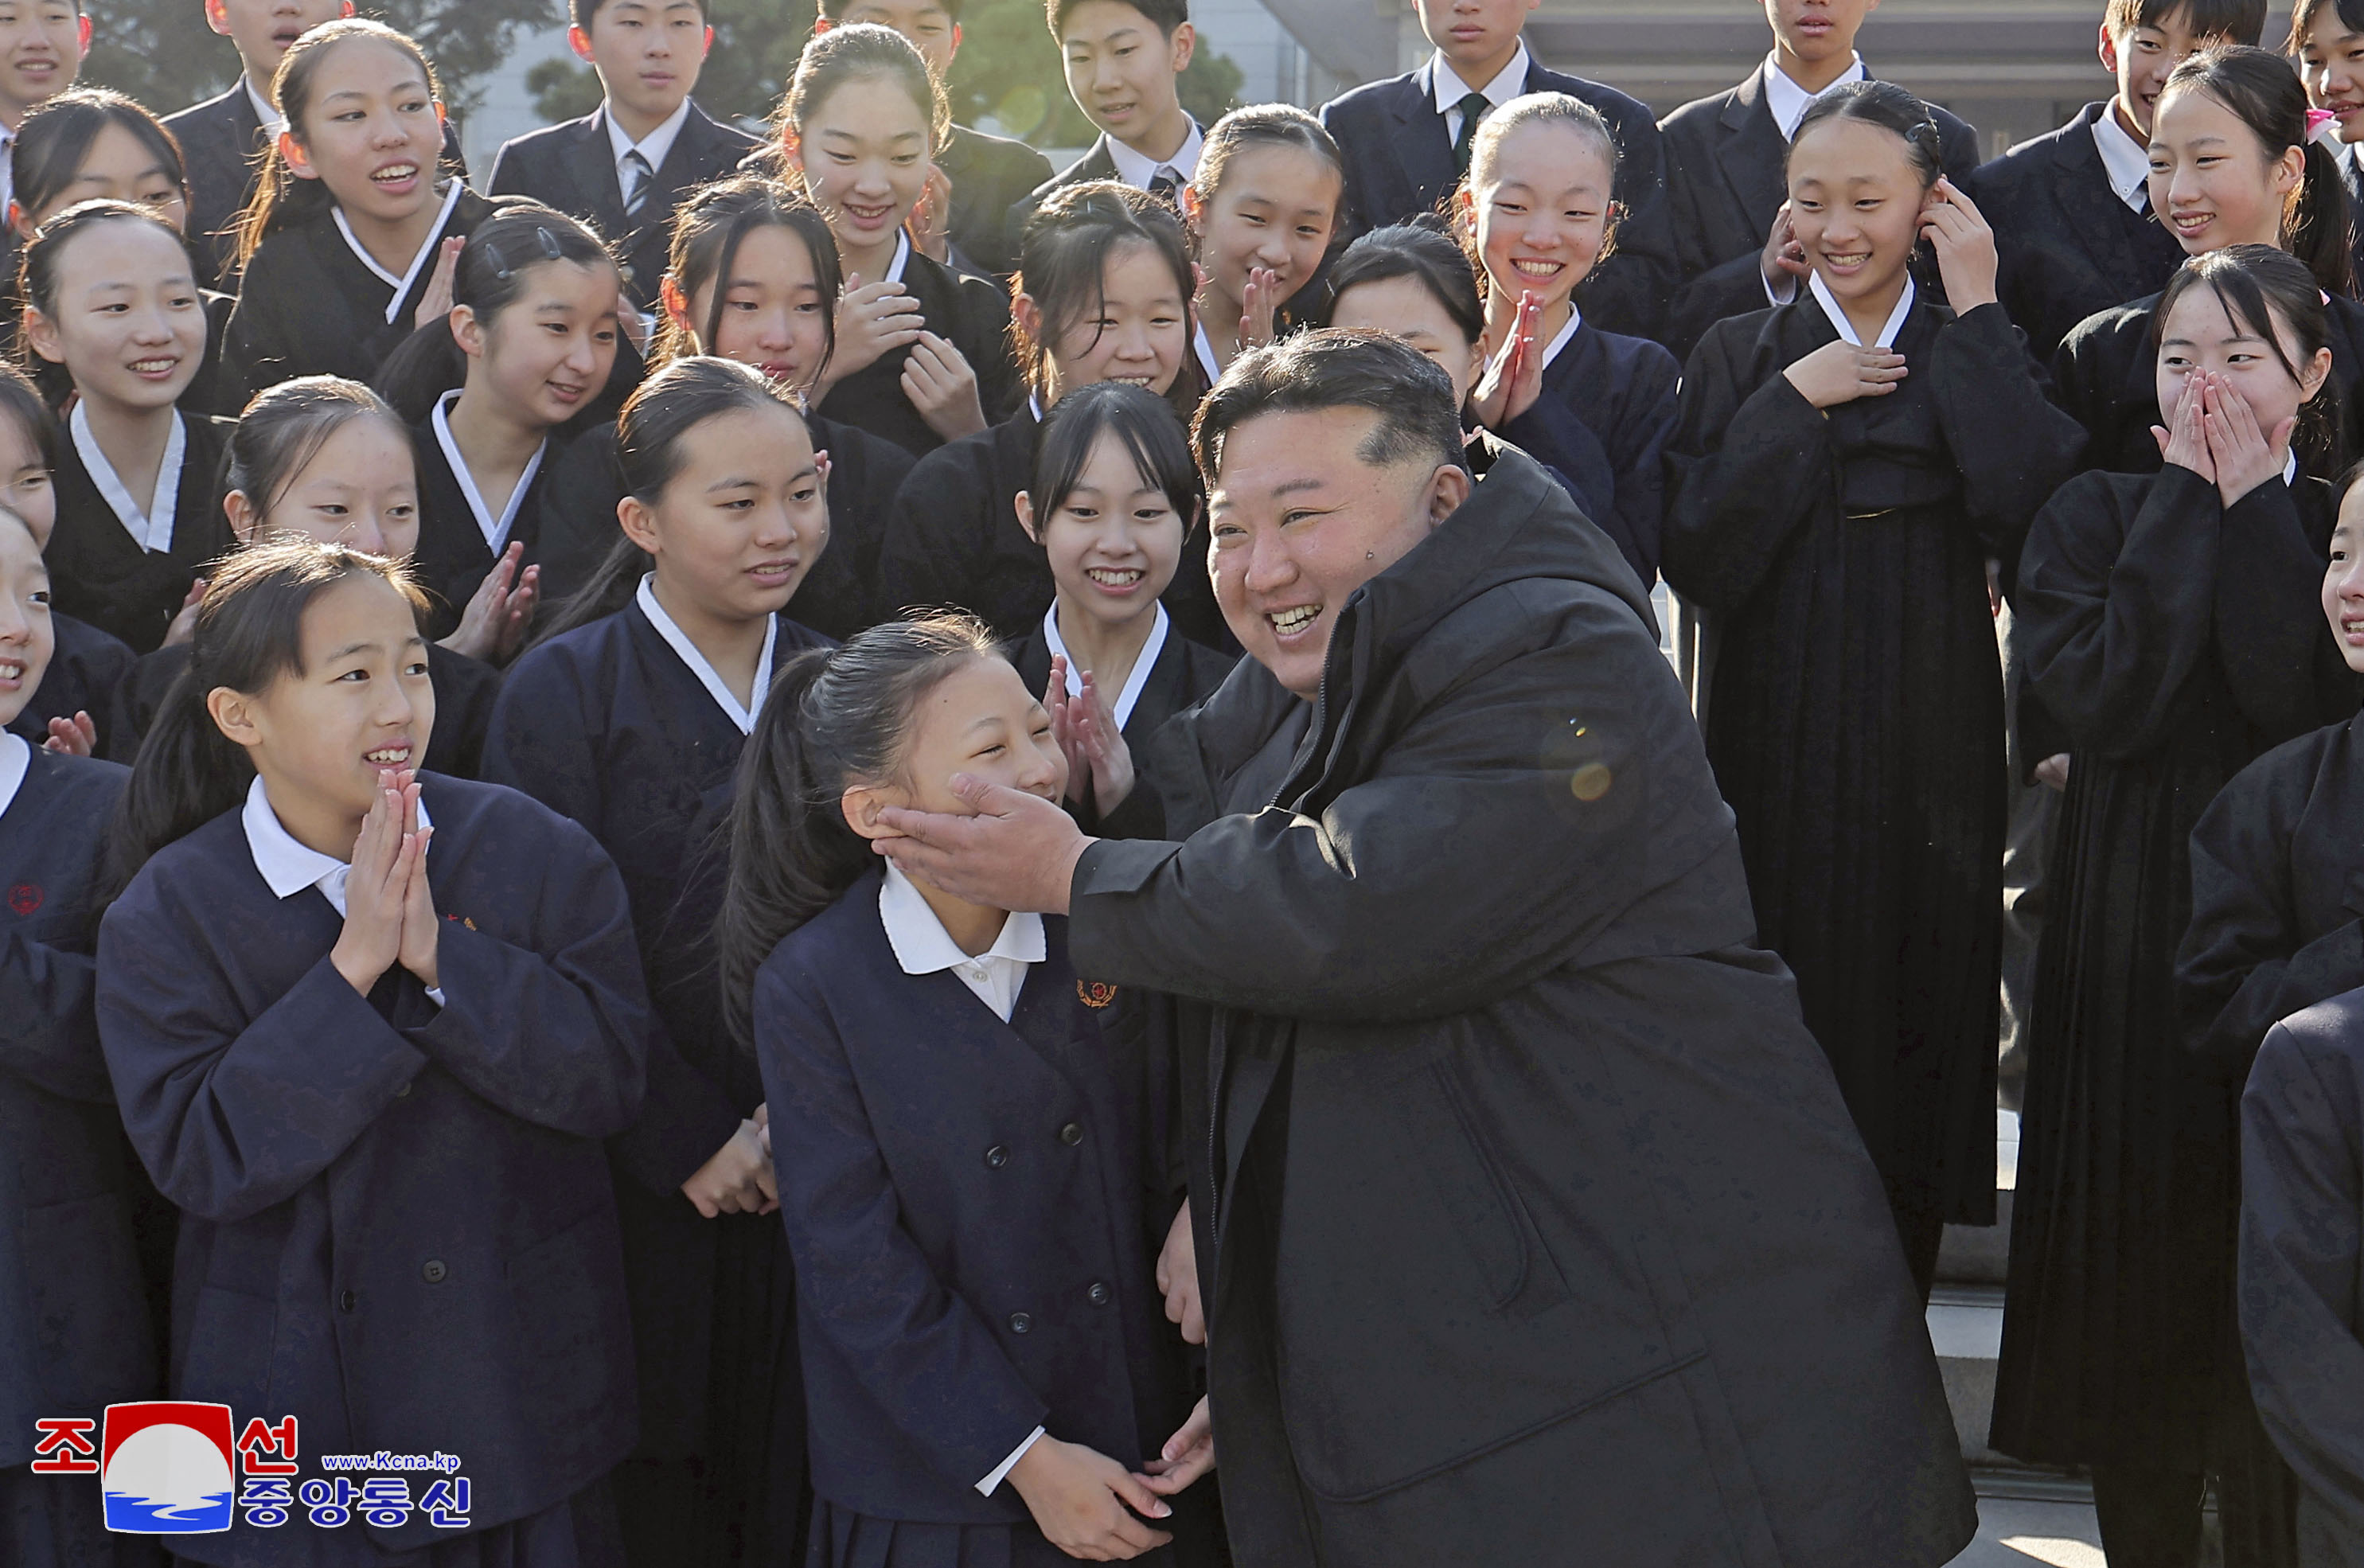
{"x": 1019, "y": 853}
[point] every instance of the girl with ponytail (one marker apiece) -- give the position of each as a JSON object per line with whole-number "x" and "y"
{"x": 370, "y": 1029}
{"x": 2233, "y": 161}
{"x": 957, "y": 1130}
{"x": 2171, "y": 626}
{"x": 632, "y": 724}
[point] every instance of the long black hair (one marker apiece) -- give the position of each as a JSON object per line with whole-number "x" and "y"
{"x": 707, "y": 230}
{"x": 652, "y": 436}
{"x": 2260, "y": 287}
{"x": 2261, "y": 91}
{"x": 1423, "y": 254}
{"x": 249, "y": 631}
{"x": 57, "y": 134}
{"x": 1063, "y": 258}
{"x": 1137, "y": 417}
{"x": 502, "y": 253}
{"x": 834, "y": 718}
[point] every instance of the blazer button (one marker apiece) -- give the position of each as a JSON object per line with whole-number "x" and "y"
{"x": 1071, "y": 1134}
{"x": 996, "y": 1158}
{"x": 345, "y": 1302}
{"x": 1100, "y": 1294}
{"x": 434, "y": 1273}
{"x": 1019, "y": 1323}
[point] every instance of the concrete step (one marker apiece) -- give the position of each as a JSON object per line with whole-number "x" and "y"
{"x": 1965, "y": 1330}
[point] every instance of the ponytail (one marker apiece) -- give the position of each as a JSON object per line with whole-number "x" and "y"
{"x": 2316, "y": 228}
{"x": 834, "y": 718}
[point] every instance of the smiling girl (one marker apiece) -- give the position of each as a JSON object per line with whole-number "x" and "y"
{"x": 1595, "y": 406}
{"x": 2231, "y": 163}
{"x": 1262, "y": 209}
{"x": 1104, "y": 294}
{"x": 920, "y": 356}
{"x": 2173, "y": 624}
{"x": 2327, "y": 38}
{"x": 529, "y": 346}
{"x": 110, "y": 296}
{"x": 633, "y": 725}
{"x": 351, "y": 239}
{"x": 1835, "y": 501}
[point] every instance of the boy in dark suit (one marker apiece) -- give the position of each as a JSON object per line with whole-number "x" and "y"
{"x": 41, "y": 46}
{"x": 223, "y": 138}
{"x": 1726, "y": 157}
{"x": 1406, "y": 142}
{"x": 2072, "y": 209}
{"x": 2327, "y": 39}
{"x": 987, "y": 175}
{"x": 1122, "y": 62}
{"x": 625, "y": 166}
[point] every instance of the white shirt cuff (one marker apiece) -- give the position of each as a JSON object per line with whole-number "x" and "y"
{"x": 1001, "y": 1470}
{"x": 1782, "y": 298}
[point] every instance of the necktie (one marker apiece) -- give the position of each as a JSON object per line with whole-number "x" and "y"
{"x": 1166, "y": 186}
{"x": 638, "y": 177}
{"x": 1473, "y": 107}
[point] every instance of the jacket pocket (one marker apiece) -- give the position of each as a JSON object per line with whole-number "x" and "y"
{"x": 1515, "y": 1273}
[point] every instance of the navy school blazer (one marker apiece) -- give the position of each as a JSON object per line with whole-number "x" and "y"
{"x": 964, "y": 1199}
{"x": 397, "y": 1222}
{"x": 1601, "y": 426}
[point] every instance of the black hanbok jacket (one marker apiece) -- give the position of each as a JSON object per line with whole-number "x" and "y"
{"x": 1186, "y": 675}
{"x": 2175, "y": 638}
{"x": 396, "y": 1221}
{"x": 453, "y": 555}
{"x": 1857, "y": 727}
{"x": 99, "y": 573}
{"x": 2068, "y": 246}
{"x": 307, "y": 306}
{"x": 74, "y": 1329}
{"x": 1601, "y": 426}
{"x": 2106, "y": 375}
{"x": 1400, "y": 165}
{"x": 83, "y": 673}
{"x": 572, "y": 167}
{"x": 990, "y": 176}
{"x": 1573, "y": 1206}
{"x": 838, "y": 596}
{"x": 970, "y": 314}
{"x": 2302, "y": 1256}
{"x": 1726, "y": 182}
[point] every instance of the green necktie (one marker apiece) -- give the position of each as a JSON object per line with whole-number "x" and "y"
{"x": 1473, "y": 107}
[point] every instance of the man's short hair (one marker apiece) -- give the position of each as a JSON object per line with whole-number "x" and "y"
{"x": 2240, "y": 21}
{"x": 583, "y": 13}
{"x": 835, "y": 10}
{"x": 1167, "y": 15}
{"x": 1334, "y": 368}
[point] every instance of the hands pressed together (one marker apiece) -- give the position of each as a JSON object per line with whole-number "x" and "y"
{"x": 1099, "y": 763}
{"x": 389, "y": 910}
{"x": 1515, "y": 378}
{"x": 494, "y": 624}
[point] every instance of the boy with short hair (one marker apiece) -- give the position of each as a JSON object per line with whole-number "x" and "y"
{"x": 2327, "y": 37}
{"x": 1725, "y": 162}
{"x": 1123, "y": 59}
{"x": 2070, "y": 210}
{"x": 41, "y": 46}
{"x": 627, "y": 164}
{"x": 988, "y": 175}
{"x": 1407, "y": 142}
{"x": 223, "y": 138}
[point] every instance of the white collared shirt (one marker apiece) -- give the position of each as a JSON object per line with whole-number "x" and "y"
{"x": 2124, "y": 161}
{"x": 707, "y": 676}
{"x": 1508, "y": 83}
{"x": 1205, "y": 348}
{"x": 655, "y": 147}
{"x": 1837, "y": 312}
{"x": 150, "y": 530}
{"x": 289, "y": 867}
{"x": 922, "y": 946}
{"x": 2290, "y": 468}
{"x": 1122, "y": 709}
{"x": 274, "y": 122}
{"x": 1560, "y": 340}
{"x": 1789, "y": 101}
{"x": 495, "y": 530}
{"x": 1137, "y": 170}
{"x": 15, "y": 761}
{"x": 401, "y": 285}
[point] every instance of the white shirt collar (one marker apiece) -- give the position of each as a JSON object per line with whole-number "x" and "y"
{"x": 495, "y": 530}
{"x": 1138, "y": 170}
{"x": 707, "y": 676}
{"x": 922, "y": 946}
{"x": 288, "y": 867}
{"x": 401, "y": 285}
{"x": 1790, "y": 102}
{"x": 2124, "y": 161}
{"x": 902, "y": 257}
{"x": 1565, "y": 336}
{"x": 1205, "y": 348}
{"x": 274, "y": 122}
{"x": 1832, "y": 308}
{"x": 1123, "y": 707}
{"x": 1508, "y": 83}
{"x": 151, "y": 529}
{"x": 15, "y": 761}
{"x": 2290, "y": 468}
{"x": 653, "y": 146}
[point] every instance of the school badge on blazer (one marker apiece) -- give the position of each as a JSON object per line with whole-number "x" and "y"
{"x": 1094, "y": 994}
{"x": 24, "y": 899}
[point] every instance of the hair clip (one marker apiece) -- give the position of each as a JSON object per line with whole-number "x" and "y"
{"x": 551, "y": 251}
{"x": 2323, "y": 126}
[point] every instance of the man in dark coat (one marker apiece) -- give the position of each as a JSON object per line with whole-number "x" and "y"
{"x": 1531, "y": 1207}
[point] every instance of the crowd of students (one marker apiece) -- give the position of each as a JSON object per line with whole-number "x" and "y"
{"x": 568, "y": 584}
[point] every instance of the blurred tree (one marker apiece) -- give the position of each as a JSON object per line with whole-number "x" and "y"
{"x": 162, "y": 52}
{"x": 756, "y": 47}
